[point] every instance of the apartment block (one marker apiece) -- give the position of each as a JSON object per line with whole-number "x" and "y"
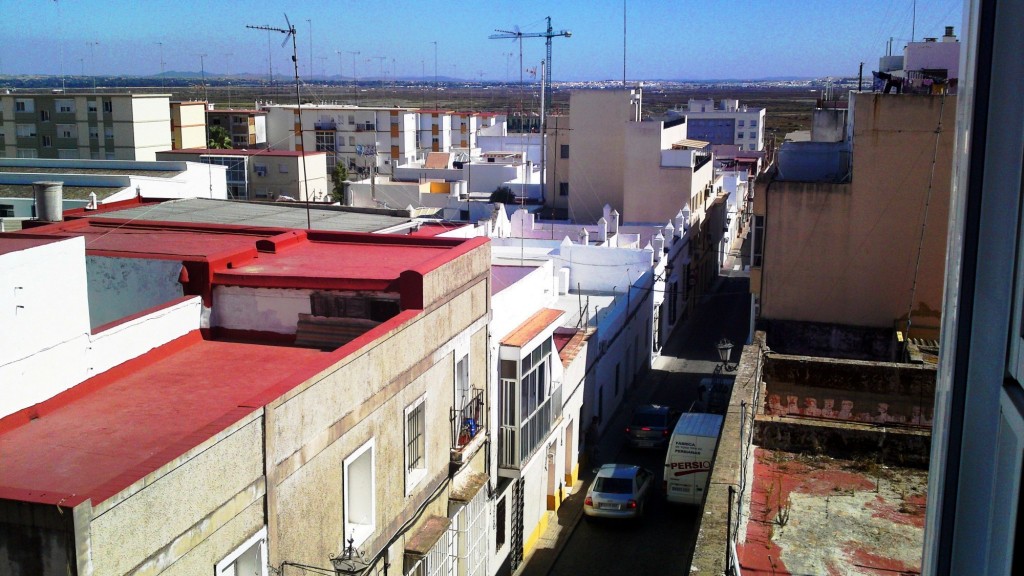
{"x": 854, "y": 232}
{"x": 283, "y": 397}
{"x": 358, "y": 137}
{"x": 728, "y": 123}
{"x": 248, "y": 128}
{"x": 97, "y": 127}
{"x": 265, "y": 174}
{"x": 188, "y": 125}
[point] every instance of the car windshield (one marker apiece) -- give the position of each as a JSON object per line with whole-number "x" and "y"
{"x": 648, "y": 419}
{"x": 607, "y": 485}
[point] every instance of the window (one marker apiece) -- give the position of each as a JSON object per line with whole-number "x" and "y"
{"x": 91, "y": 106}
{"x": 282, "y": 168}
{"x": 44, "y": 115}
{"x": 67, "y": 131}
{"x": 359, "y": 494}
{"x": 6, "y": 211}
{"x": 94, "y": 132}
{"x": 324, "y": 141}
{"x": 753, "y": 123}
{"x": 415, "y": 433}
{"x": 26, "y": 130}
{"x": 249, "y": 559}
{"x": 109, "y": 156}
{"x": 351, "y": 118}
{"x": 741, "y": 123}
{"x": 108, "y": 132}
{"x": 563, "y": 188}
{"x": 757, "y": 254}
{"x": 564, "y": 151}
{"x": 47, "y": 141}
{"x": 753, "y": 135}
{"x": 24, "y": 105}
{"x": 65, "y": 105}
{"x": 68, "y": 153}
{"x": 108, "y": 106}
{"x": 499, "y": 525}
{"x": 22, "y": 153}
{"x": 351, "y": 140}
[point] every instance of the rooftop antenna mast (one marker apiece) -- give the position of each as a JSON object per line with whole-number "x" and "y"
{"x": 289, "y": 33}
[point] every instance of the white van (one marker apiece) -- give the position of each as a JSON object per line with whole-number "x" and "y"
{"x": 691, "y": 450}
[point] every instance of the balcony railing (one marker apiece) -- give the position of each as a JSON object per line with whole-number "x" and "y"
{"x": 468, "y": 422}
{"x": 325, "y": 125}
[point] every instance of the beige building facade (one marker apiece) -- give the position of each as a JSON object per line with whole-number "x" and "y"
{"x": 188, "y": 125}
{"x": 869, "y": 250}
{"x": 358, "y": 137}
{"x": 96, "y": 127}
{"x": 325, "y": 416}
{"x": 265, "y": 174}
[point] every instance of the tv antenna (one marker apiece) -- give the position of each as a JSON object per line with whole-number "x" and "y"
{"x": 289, "y": 33}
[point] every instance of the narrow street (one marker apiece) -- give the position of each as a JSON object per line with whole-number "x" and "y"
{"x": 662, "y": 541}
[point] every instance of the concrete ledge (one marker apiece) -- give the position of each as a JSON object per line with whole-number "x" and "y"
{"x": 710, "y": 550}
{"x": 889, "y": 445}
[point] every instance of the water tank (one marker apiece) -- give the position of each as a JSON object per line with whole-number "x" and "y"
{"x": 563, "y": 280}
{"x": 49, "y": 198}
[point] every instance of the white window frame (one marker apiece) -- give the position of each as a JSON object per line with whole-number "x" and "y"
{"x": 226, "y": 566}
{"x": 415, "y": 474}
{"x": 24, "y": 105}
{"x": 359, "y": 531}
{"x": 108, "y": 132}
{"x": 65, "y": 106}
{"x": 25, "y": 130}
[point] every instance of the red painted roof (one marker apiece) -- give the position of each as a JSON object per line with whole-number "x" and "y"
{"x": 16, "y": 242}
{"x": 102, "y": 436}
{"x": 336, "y": 264}
{"x": 237, "y": 111}
{"x": 241, "y": 152}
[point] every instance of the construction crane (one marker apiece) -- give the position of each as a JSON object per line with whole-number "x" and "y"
{"x": 547, "y": 35}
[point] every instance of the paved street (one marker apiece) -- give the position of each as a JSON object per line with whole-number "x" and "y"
{"x": 661, "y": 542}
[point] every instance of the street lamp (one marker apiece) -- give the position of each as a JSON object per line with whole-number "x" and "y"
{"x": 724, "y": 347}
{"x": 351, "y": 561}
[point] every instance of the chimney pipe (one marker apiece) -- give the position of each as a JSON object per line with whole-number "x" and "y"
{"x": 49, "y": 197}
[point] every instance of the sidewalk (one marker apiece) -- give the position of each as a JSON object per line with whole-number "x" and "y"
{"x": 561, "y": 525}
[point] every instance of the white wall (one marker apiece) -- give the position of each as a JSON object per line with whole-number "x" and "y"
{"x": 259, "y": 309}
{"x": 120, "y": 287}
{"x": 46, "y": 346}
{"x": 603, "y": 268}
{"x": 528, "y": 144}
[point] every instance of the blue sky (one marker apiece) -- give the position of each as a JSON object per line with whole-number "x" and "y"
{"x": 666, "y": 39}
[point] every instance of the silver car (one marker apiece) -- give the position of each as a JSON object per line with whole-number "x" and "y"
{"x": 618, "y": 491}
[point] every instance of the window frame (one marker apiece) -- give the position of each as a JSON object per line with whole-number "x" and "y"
{"x": 259, "y": 538}
{"x": 359, "y": 531}
{"x": 414, "y": 474}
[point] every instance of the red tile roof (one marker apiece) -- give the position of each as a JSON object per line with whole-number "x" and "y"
{"x": 533, "y": 326}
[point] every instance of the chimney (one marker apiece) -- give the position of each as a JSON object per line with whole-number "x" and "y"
{"x": 949, "y": 36}
{"x": 614, "y": 224}
{"x": 584, "y": 236}
{"x": 49, "y": 197}
{"x": 602, "y": 230}
{"x": 678, "y": 221}
{"x": 659, "y": 246}
{"x": 669, "y": 233}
